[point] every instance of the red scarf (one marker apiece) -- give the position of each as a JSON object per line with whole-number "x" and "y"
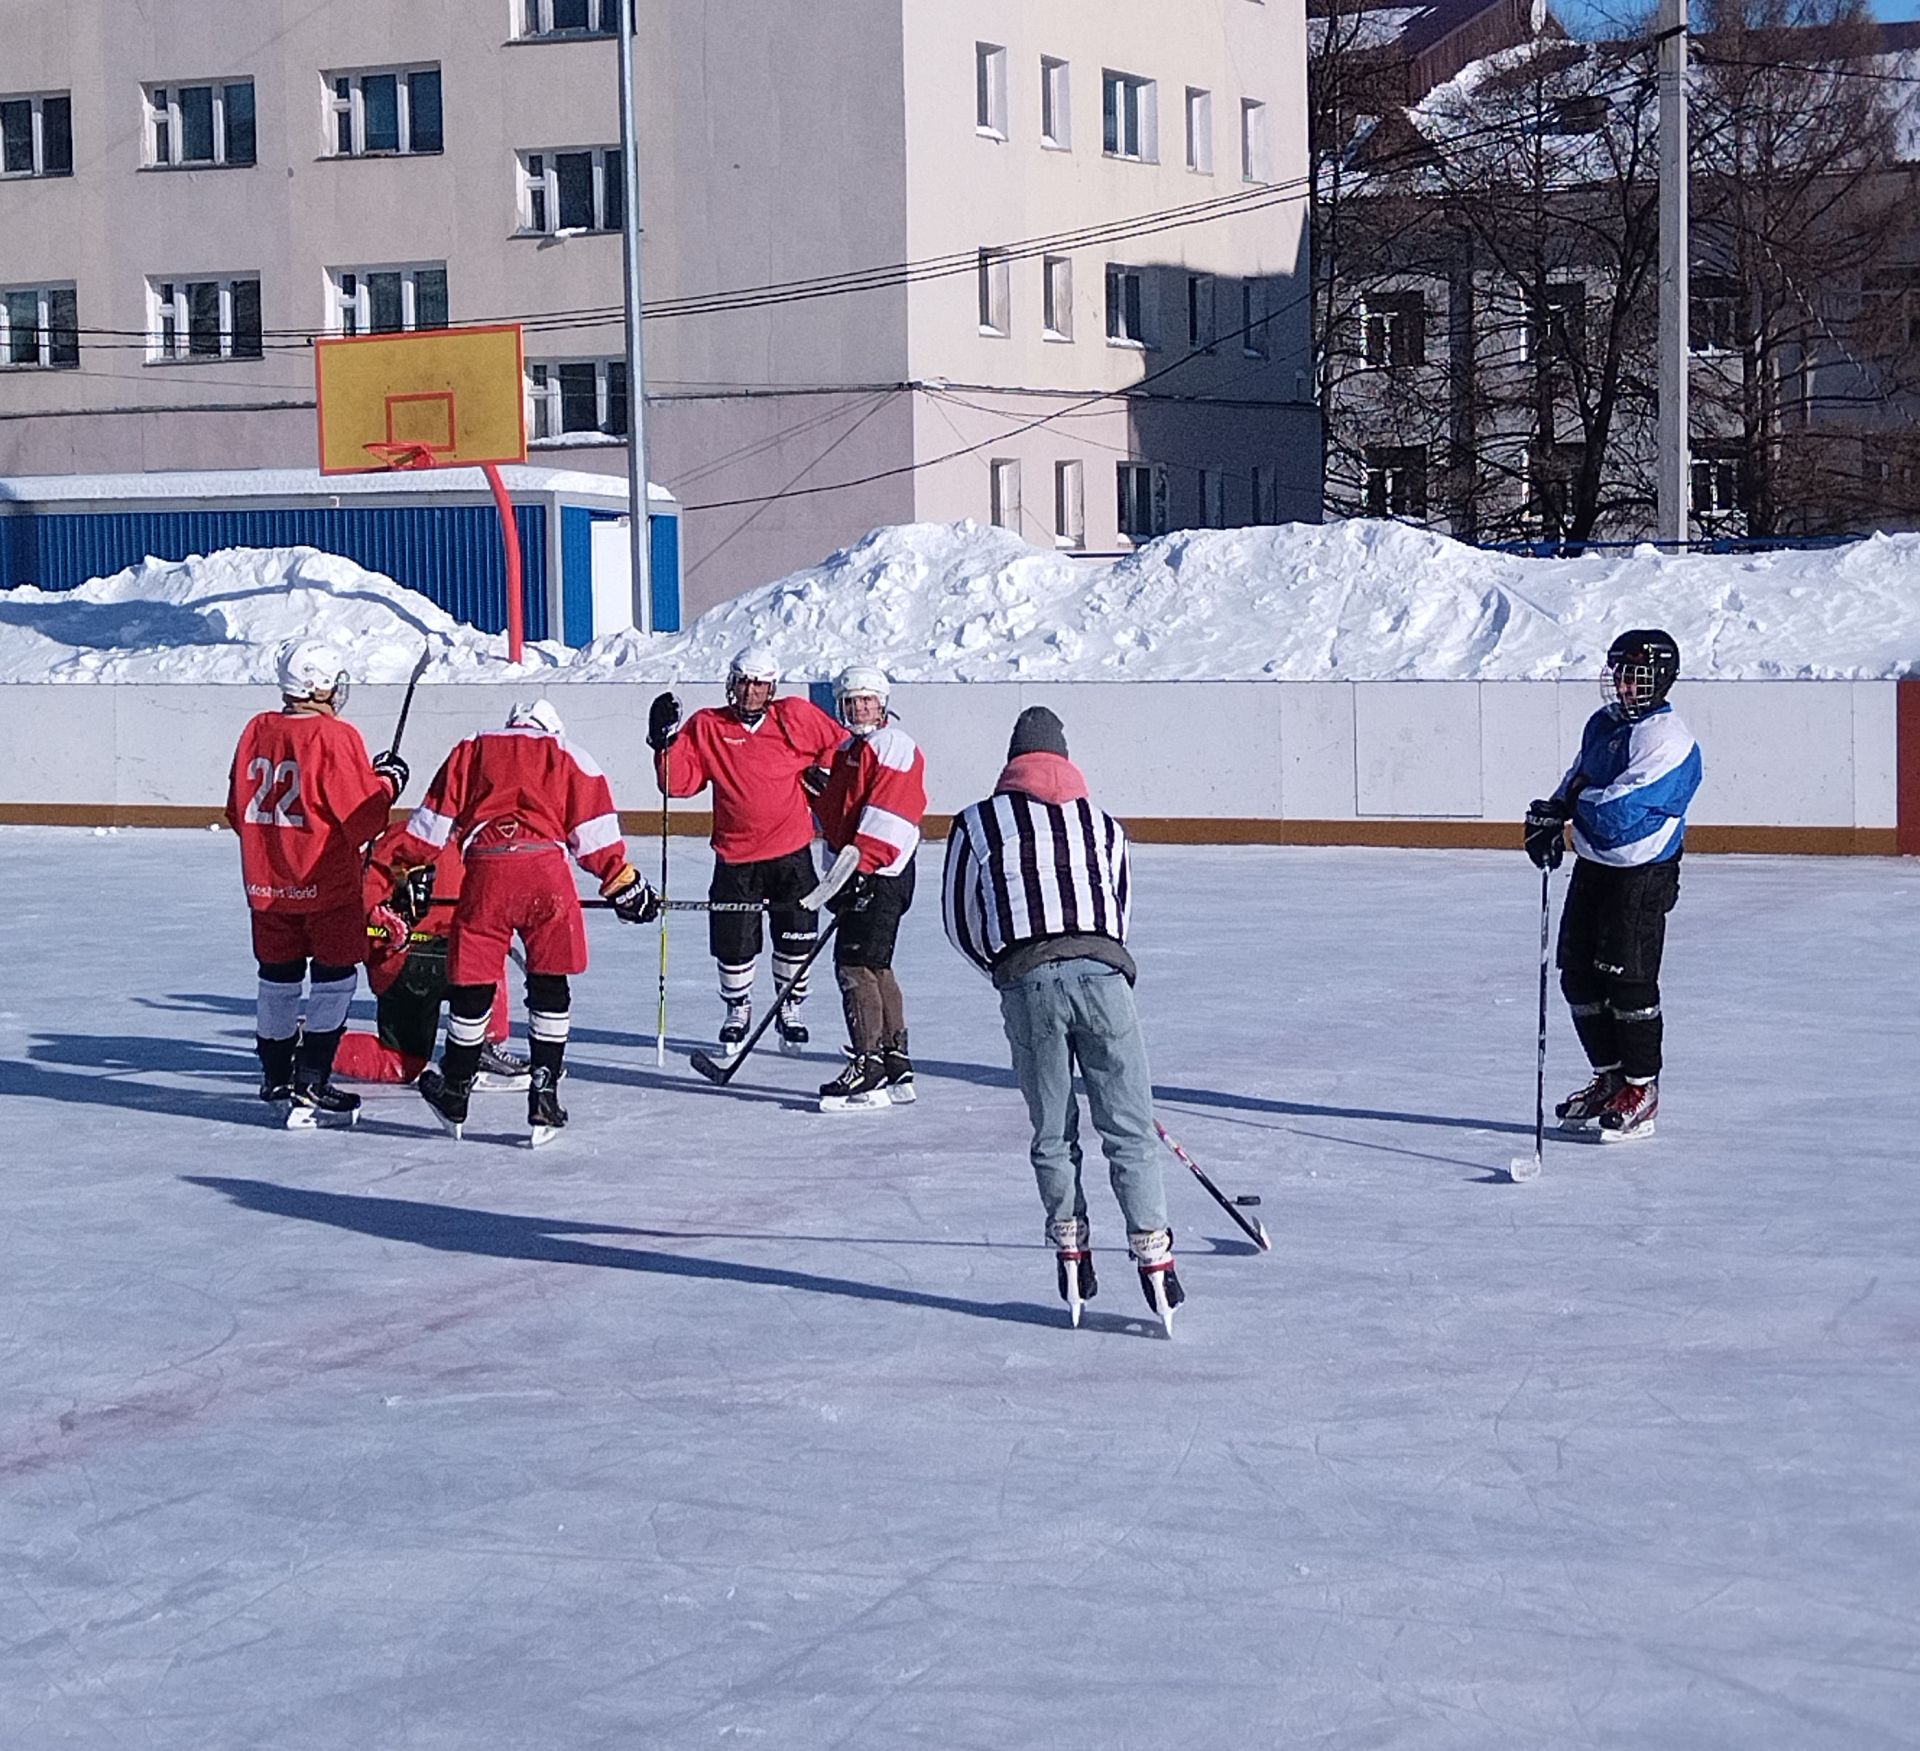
{"x": 1050, "y": 778}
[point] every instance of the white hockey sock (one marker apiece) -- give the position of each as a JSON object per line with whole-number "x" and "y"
{"x": 276, "y": 1010}
{"x": 736, "y": 983}
{"x": 785, "y": 969}
{"x": 327, "y": 1003}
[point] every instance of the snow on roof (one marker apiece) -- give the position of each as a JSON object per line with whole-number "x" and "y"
{"x": 287, "y": 483}
{"x": 1355, "y": 601}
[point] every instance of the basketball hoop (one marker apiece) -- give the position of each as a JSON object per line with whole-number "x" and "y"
{"x": 403, "y": 455}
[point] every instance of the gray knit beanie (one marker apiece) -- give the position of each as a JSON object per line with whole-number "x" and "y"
{"x": 1037, "y": 731}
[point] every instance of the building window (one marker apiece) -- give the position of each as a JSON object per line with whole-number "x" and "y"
{"x": 1126, "y": 307}
{"x": 390, "y": 300}
{"x": 574, "y": 398}
{"x": 1553, "y": 471}
{"x": 36, "y": 135}
{"x": 995, "y": 292}
{"x": 203, "y": 319}
{"x": 1128, "y": 108}
{"x": 1004, "y": 493}
{"x": 1716, "y": 314}
{"x": 1266, "y": 492}
{"x": 1213, "y": 498}
{"x": 1890, "y": 299}
{"x": 1069, "y": 505}
{"x": 1200, "y": 332}
{"x": 1396, "y": 484}
{"x": 39, "y": 326}
{"x": 1557, "y": 334}
{"x": 1394, "y": 329}
{"x": 990, "y": 90}
{"x": 1056, "y": 105}
{"x": 1253, "y": 319}
{"x": 1717, "y": 470}
{"x": 1253, "y": 141}
{"x": 385, "y": 113}
{"x": 544, "y": 18}
{"x": 1200, "y": 130}
{"x": 193, "y": 126}
{"x": 1142, "y": 500}
{"x": 570, "y": 191}
{"x": 1056, "y": 285}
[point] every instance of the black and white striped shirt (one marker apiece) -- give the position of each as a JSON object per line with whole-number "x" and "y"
{"x": 1020, "y": 871}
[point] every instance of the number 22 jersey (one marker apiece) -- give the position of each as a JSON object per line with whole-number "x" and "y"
{"x": 304, "y": 799}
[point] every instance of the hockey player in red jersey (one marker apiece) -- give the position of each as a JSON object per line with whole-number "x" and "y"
{"x": 875, "y": 797}
{"x": 518, "y": 801}
{"x": 753, "y": 752}
{"x": 304, "y": 799}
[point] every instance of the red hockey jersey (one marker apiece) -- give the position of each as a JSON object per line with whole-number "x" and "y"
{"x": 304, "y": 799}
{"x": 759, "y": 808}
{"x": 518, "y": 786}
{"x": 875, "y": 798}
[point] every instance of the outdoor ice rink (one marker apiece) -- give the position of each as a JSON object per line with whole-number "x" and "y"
{"x": 724, "y": 1422}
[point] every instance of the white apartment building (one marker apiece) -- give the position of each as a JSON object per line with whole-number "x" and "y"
{"x": 1075, "y": 234}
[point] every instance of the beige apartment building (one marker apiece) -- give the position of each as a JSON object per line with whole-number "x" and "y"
{"x": 1076, "y": 232}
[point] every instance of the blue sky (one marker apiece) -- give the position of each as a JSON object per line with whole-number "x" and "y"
{"x": 1584, "y": 17}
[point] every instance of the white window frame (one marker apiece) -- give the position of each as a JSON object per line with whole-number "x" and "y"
{"x": 1202, "y": 322}
{"x": 1069, "y": 503}
{"x": 169, "y": 318}
{"x": 545, "y": 401}
{"x": 1199, "y": 131}
{"x": 1213, "y": 498}
{"x": 1127, "y": 327}
{"x": 152, "y": 155}
{"x": 533, "y": 21}
{"x": 1003, "y": 493}
{"x": 995, "y": 275}
{"x": 990, "y": 91}
{"x": 1133, "y": 103}
{"x": 362, "y": 297}
{"x": 1056, "y": 104}
{"x": 43, "y": 328}
{"x": 538, "y": 182}
{"x": 1056, "y": 297}
{"x": 1255, "y": 162}
{"x": 36, "y": 102}
{"x": 1254, "y": 320}
{"x": 352, "y": 107}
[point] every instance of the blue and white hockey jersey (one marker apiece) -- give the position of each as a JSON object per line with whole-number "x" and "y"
{"x": 1637, "y": 780}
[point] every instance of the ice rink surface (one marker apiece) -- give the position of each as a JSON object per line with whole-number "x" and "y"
{"x": 724, "y": 1422}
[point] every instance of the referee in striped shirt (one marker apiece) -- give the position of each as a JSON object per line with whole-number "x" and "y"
{"x": 1035, "y": 895}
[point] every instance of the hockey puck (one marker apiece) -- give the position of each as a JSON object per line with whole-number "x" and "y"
{"x": 1247, "y": 1200}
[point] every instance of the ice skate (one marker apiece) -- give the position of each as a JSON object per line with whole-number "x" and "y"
{"x": 899, "y": 1068}
{"x": 1073, "y": 1262}
{"x": 314, "y": 1104}
{"x": 791, "y": 1029}
{"x": 1630, "y": 1113}
{"x": 1153, "y": 1252}
{"x": 500, "y": 1068}
{"x": 734, "y": 1030}
{"x": 278, "y": 1096}
{"x": 545, "y": 1115}
{"x": 860, "y": 1087}
{"x": 448, "y": 1099}
{"x": 1585, "y": 1105}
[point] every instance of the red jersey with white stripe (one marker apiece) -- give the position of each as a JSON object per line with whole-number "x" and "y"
{"x": 512, "y": 788}
{"x": 759, "y": 808}
{"x": 304, "y": 799}
{"x": 875, "y": 798}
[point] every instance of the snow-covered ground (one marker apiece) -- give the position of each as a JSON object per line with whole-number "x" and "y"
{"x": 935, "y": 602}
{"x": 723, "y": 1422}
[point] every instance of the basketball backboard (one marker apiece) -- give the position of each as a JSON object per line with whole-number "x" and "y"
{"x": 442, "y": 398}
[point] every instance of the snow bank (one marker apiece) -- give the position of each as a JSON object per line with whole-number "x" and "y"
{"x": 1354, "y": 600}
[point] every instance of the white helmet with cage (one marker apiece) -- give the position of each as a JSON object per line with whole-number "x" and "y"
{"x": 314, "y": 672}
{"x": 535, "y": 714}
{"x": 756, "y": 663}
{"x": 861, "y": 681}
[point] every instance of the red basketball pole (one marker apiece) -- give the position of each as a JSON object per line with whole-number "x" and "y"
{"x": 510, "y": 541}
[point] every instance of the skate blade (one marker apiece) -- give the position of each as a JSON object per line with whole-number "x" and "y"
{"x": 306, "y": 1119}
{"x": 454, "y": 1128}
{"x": 792, "y": 1048}
{"x": 294, "y": 1118}
{"x": 1162, "y": 1308}
{"x": 901, "y": 1094}
{"x": 539, "y": 1136}
{"x": 854, "y": 1103}
{"x": 1075, "y": 1307}
{"x": 491, "y": 1082}
{"x": 1632, "y": 1136}
{"x": 1572, "y": 1127}
{"x": 1523, "y": 1168}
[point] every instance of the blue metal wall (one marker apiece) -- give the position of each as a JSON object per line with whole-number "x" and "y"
{"x": 665, "y": 534}
{"x": 576, "y": 571}
{"x": 448, "y": 553}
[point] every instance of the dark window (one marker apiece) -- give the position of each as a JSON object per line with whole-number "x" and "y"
{"x": 615, "y": 194}
{"x": 16, "y": 137}
{"x": 570, "y": 15}
{"x": 1553, "y": 470}
{"x": 238, "y": 102}
{"x": 423, "y": 98}
{"x": 63, "y": 325}
{"x": 203, "y": 319}
{"x": 1716, "y": 314}
{"x": 1560, "y": 323}
{"x": 384, "y": 311}
{"x": 196, "y": 124}
{"x": 573, "y": 177}
{"x": 1396, "y": 484}
{"x": 1717, "y": 474}
{"x": 430, "y": 298}
{"x": 579, "y": 397}
{"x": 380, "y": 100}
{"x": 1395, "y": 326}
{"x": 246, "y": 319}
{"x": 56, "y": 136}
{"x": 617, "y": 398}
{"x": 23, "y": 328}
{"x": 1577, "y": 115}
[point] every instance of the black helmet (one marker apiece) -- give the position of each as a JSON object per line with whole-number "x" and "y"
{"x": 1642, "y": 666}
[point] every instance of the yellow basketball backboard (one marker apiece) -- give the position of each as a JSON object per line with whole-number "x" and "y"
{"x": 445, "y": 398}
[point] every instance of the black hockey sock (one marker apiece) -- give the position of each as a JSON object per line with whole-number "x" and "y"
{"x": 1638, "y": 1027}
{"x": 314, "y": 1059}
{"x": 276, "y": 1061}
{"x": 1594, "y": 1023}
{"x": 459, "y": 1062}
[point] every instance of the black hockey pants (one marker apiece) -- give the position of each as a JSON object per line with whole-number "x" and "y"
{"x": 1613, "y": 931}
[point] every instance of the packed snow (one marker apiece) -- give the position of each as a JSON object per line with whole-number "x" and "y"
{"x": 724, "y": 1422}
{"x": 1360, "y": 600}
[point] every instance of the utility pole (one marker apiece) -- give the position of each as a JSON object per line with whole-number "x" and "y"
{"x": 1673, "y": 485}
{"x": 639, "y": 528}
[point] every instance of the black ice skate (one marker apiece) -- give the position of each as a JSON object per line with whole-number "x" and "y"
{"x": 1631, "y": 1112}
{"x": 545, "y": 1115}
{"x": 1585, "y": 1105}
{"x": 448, "y": 1099}
{"x": 791, "y": 1029}
{"x": 1073, "y": 1261}
{"x": 899, "y": 1068}
{"x": 1152, "y": 1251}
{"x": 500, "y": 1068}
{"x": 313, "y": 1104}
{"x": 860, "y": 1087}
{"x": 734, "y": 1030}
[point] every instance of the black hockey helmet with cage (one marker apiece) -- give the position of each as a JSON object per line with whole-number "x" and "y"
{"x": 1642, "y": 666}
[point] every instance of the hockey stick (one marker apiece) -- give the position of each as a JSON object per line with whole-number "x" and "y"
{"x": 723, "y": 1073}
{"x": 1255, "y": 1231}
{"x": 1527, "y": 1167}
{"x": 684, "y": 905}
{"x": 406, "y": 702}
{"x": 660, "y": 1032}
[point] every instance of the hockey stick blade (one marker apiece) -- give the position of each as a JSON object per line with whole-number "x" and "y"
{"x": 1254, "y": 1231}
{"x": 713, "y": 1072}
{"x": 1522, "y": 1168}
{"x": 844, "y": 868}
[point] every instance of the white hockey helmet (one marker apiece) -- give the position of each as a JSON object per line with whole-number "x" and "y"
{"x": 313, "y": 670}
{"x": 536, "y": 714}
{"x": 756, "y": 663}
{"x": 861, "y": 681}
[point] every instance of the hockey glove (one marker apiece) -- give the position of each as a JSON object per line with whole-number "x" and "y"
{"x": 631, "y": 896}
{"x": 663, "y": 723}
{"x": 1546, "y": 831}
{"x": 856, "y": 896}
{"x": 413, "y": 894}
{"x": 394, "y": 930}
{"x": 814, "y": 782}
{"x": 394, "y": 770}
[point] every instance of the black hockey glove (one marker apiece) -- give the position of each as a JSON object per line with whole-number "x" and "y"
{"x": 663, "y": 723}
{"x": 1546, "y": 831}
{"x": 394, "y": 770}
{"x": 814, "y": 782}
{"x": 856, "y": 896}
{"x": 413, "y": 894}
{"x": 632, "y": 897}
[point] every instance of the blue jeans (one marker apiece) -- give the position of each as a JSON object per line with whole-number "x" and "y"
{"x": 1082, "y": 1011}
